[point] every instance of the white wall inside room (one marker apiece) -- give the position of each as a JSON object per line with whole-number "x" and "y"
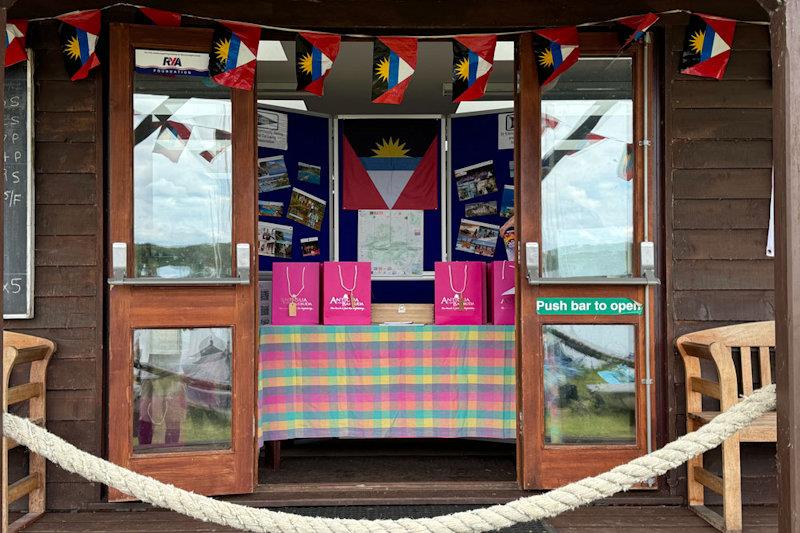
{"x": 348, "y": 87}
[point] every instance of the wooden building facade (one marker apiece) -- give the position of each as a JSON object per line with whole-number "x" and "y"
{"x": 713, "y": 156}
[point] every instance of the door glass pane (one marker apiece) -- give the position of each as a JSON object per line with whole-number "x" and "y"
{"x": 590, "y": 384}
{"x": 181, "y": 389}
{"x": 182, "y": 177}
{"x": 587, "y": 170}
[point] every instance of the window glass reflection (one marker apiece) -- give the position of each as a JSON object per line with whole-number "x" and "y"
{"x": 590, "y": 384}
{"x": 588, "y": 170}
{"x": 182, "y": 389}
{"x": 182, "y": 177}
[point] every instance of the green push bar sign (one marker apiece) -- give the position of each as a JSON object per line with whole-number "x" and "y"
{"x": 588, "y": 306}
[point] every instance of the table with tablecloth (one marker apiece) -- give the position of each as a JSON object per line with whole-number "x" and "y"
{"x": 386, "y": 382}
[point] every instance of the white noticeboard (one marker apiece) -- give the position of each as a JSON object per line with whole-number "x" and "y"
{"x": 505, "y": 131}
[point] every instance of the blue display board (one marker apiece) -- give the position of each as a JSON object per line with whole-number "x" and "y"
{"x": 308, "y": 142}
{"x": 393, "y": 291}
{"x": 473, "y": 140}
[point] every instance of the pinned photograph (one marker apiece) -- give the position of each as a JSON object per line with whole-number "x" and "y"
{"x": 308, "y": 173}
{"x": 480, "y": 209}
{"x": 476, "y": 180}
{"x": 310, "y": 246}
{"x": 306, "y": 209}
{"x": 507, "y": 202}
{"x": 272, "y": 129}
{"x": 511, "y": 169}
{"x": 477, "y": 237}
{"x": 275, "y": 240}
{"x": 272, "y": 174}
{"x": 270, "y": 209}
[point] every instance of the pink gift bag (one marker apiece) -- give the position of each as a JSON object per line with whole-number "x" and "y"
{"x": 501, "y": 292}
{"x": 295, "y": 293}
{"x": 459, "y": 290}
{"x": 347, "y": 293}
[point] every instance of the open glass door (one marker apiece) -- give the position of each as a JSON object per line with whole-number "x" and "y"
{"x": 588, "y": 274}
{"x": 182, "y": 297}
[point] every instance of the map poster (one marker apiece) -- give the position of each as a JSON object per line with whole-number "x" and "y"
{"x": 392, "y": 240}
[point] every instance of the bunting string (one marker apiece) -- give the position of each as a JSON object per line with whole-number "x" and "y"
{"x": 370, "y": 36}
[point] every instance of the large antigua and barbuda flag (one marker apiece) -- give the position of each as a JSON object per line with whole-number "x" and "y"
{"x": 15, "y": 41}
{"x": 314, "y": 57}
{"x": 632, "y": 29}
{"x": 707, "y": 46}
{"x": 390, "y": 163}
{"x": 555, "y": 50}
{"x": 78, "y": 34}
{"x": 473, "y": 60}
{"x": 394, "y": 60}
{"x": 232, "y": 58}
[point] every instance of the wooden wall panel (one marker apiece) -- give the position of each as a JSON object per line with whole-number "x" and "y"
{"x": 69, "y": 257}
{"x": 717, "y": 169}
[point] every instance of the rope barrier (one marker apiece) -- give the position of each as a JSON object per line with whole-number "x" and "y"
{"x": 526, "y": 509}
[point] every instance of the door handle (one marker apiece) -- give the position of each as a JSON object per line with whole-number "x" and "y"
{"x": 532, "y": 262}
{"x": 119, "y": 268}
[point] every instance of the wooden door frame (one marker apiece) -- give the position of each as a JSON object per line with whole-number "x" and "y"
{"x": 528, "y": 186}
{"x": 238, "y": 301}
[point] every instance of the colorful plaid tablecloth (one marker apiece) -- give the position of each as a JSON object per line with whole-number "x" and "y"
{"x": 386, "y": 382}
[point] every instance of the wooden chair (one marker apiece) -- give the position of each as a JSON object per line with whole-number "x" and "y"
{"x": 725, "y": 347}
{"x": 19, "y": 349}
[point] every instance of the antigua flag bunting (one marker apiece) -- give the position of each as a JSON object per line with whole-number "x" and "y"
{"x": 394, "y": 60}
{"x": 172, "y": 139}
{"x": 390, "y": 164}
{"x": 314, "y": 57}
{"x": 160, "y": 17}
{"x": 78, "y": 34}
{"x": 15, "y": 41}
{"x": 473, "y": 60}
{"x": 707, "y": 46}
{"x": 632, "y": 29}
{"x": 232, "y": 58}
{"x": 555, "y": 50}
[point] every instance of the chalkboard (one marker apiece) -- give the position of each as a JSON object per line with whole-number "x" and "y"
{"x": 18, "y": 192}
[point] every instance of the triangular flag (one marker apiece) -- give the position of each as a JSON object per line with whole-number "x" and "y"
{"x": 555, "y": 50}
{"x": 707, "y": 47}
{"x": 232, "y": 58}
{"x": 390, "y": 164}
{"x": 172, "y": 139}
{"x": 79, "y": 33}
{"x": 394, "y": 60}
{"x": 160, "y": 17}
{"x": 314, "y": 57}
{"x": 633, "y": 28}
{"x": 15, "y": 41}
{"x": 473, "y": 60}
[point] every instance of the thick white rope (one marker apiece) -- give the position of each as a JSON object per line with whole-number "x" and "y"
{"x": 546, "y": 505}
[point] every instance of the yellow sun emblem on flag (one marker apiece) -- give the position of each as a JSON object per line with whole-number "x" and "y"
{"x": 546, "y": 59}
{"x": 222, "y": 48}
{"x": 462, "y": 69}
{"x": 306, "y": 64}
{"x": 382, "y": 69}
{"x": 390, "y": 148}
{"x": 696, "y": 41}
{"x": 73, "y": 48}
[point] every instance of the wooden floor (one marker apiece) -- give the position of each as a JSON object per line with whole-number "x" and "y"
{"x": 592, "y": 519}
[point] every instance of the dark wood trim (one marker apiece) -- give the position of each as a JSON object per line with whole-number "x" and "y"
{"x": 527, "y": 178}
{"x": 786, "y": 150}
{"x": 3, "y": 475}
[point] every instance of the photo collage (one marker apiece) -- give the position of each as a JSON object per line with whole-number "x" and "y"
{"x": 290, "y": 216}
{"x": 484, "y": 199}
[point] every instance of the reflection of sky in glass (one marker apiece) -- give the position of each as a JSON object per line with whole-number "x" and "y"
{"x": 587, "y": 210}
{"x": 186, "y": 202}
